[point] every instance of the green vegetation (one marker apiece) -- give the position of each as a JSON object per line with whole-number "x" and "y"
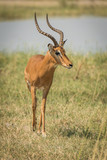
{"x": 76, "y": 113}
{"x": 22, "y": 12}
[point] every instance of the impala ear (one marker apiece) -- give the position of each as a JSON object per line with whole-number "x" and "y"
{"x": 64, "y": 42}
{"x": 50, "y": 46}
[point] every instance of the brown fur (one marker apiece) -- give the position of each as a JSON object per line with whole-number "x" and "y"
{"x": 39, "y": 75}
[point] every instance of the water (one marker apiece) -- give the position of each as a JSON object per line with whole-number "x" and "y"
{"x": 83, "y": 34}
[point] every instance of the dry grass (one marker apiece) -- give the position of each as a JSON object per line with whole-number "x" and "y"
{"x": 21, "y": 9}
{"x": 54, "y": 3}
{"x": 75, "y": 114}
{"x": 27, "y": 3}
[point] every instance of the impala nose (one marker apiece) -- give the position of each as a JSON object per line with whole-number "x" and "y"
{"x": 71, "y": 65}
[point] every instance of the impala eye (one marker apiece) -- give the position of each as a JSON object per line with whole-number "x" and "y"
{"x": 57, "y": 53}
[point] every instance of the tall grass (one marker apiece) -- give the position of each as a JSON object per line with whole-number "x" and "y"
{"x": 76, "y": 112}
{"x": 25, "y": 12}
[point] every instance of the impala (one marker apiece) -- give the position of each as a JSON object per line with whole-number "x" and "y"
{"x": 40, "y": 70}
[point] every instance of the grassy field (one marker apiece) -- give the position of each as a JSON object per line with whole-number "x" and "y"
{"x": 10, "y": 10}
{"x": 76, "y": 112}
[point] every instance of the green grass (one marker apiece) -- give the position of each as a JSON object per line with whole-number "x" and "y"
{"x": 76, "y": 112}
{"x": 16, "y": 12}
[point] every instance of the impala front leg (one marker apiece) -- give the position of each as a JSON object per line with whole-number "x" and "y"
{"x": 40, "y": 123}
{"x": 43, "y": 108}
{"x": 34, "y": 104}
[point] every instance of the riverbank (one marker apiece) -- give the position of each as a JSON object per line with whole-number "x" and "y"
{"x": 75, "y": 113}
{"x": 25, "y": 9}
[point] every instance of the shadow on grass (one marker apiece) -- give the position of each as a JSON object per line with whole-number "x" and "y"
{"x": 82, "y": 132}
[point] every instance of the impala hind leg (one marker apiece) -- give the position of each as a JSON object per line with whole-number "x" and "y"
{"x": 28, "y": 85}
{"x": 34, "y": 105}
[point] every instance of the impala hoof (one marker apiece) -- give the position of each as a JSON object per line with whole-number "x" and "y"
{"x": 38, "y": 132}
{"x": 43, "y": 134}
{"x": 34, "y": 127}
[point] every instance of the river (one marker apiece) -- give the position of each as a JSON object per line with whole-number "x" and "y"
{"x": 84, "y": 34}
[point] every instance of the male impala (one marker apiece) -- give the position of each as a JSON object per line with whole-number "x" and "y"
{"x": 40, "y": 70}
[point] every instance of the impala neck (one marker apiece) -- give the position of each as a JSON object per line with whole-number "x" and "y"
{"x": 49, "y": 61}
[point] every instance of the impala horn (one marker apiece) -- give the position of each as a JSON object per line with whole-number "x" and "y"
{"x": 61, "y": 42}
{"x": 45, "y": 34}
